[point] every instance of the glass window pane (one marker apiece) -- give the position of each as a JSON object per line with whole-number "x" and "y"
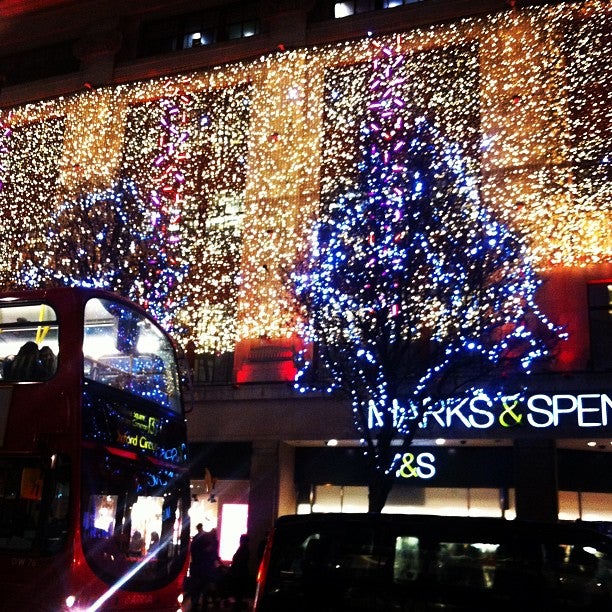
{"x": 445, "y": 501}
{"x": 125, "y": 350}
{"x": 194, "y": 39}
{"x": 354, "y": 499}
{"x": 596, "y": 506}
{"x": 466, "y": 564}
{"x": 131, "y": 515}
{"x": 583, "y": 574}
{"x": 343, "y": 9}
{"x": 28, "y": 342}
{"x": 450, "y": 501}
{"x": 327, "y": 499}
{"x": 484, "y": 502}
{"x": 364, "y": 6}
{"x": 207, "y": 37}
{"x": 249, "y": 28}
{"x": 30, "y": 520}
{"x": 234, "y": 31}
{"x": 407, "y": 561}
{"x": 569, "y": 505}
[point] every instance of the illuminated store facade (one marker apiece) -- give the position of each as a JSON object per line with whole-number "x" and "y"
{"x": 233, "y": 125}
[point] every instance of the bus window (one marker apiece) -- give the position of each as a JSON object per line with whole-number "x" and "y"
{"x": 131, "y": 520}
{"x": 33, "y": 506}
{"x": 28, "y": 342}
{"x": 124, "y": 350}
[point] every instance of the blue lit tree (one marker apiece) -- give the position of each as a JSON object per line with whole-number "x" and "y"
{"x": 99, "y": 239}
{"x": 106, "y": 239}
{"x": 413, "y": 290}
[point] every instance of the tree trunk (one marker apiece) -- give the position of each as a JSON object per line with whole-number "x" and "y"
{"x": 378, "y": 490}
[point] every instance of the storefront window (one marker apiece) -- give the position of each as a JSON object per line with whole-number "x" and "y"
{"x": 447, "y": 501}
{"x": 585, "y": 506}
{"x": 466, "y": 564}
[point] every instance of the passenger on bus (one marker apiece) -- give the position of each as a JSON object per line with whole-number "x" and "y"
{"x": 48, "y": 361}
{"x": 6, "y": 367}
{"x": 26, "y": 365}
{"x": 136, "y": 544}
{"x": 154, "y": 543}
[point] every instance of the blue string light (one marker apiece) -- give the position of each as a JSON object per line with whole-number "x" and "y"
{"x": 411, "y": 278}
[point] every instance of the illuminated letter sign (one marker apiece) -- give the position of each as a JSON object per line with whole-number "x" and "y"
{"x": 140, "y": 433}
{"x": 375, "y": 416}
{"x": 591, "y": 409}
{"x": 484, "y": 411}
{"x": 420, "y": 465}
{"x": 540, "y": 411}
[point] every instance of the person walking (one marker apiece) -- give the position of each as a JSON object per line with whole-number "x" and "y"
{"x": 203, "y": 568}
{"x": 239, "y": 577}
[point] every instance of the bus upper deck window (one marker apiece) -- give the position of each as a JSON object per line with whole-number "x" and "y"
{"x": 128, "y": 351}
{"x": 28, "y": 342}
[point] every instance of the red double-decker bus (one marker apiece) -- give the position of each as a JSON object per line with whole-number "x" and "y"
{"x": 94, "y": 490}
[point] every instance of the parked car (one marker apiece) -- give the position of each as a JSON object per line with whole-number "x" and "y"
{"x": 386, "y": 563}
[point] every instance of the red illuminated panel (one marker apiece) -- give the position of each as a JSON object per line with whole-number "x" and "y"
{"x": 13, "y": 8}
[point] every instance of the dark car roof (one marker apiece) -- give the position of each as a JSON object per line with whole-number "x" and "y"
{"x": 439, "y": 525}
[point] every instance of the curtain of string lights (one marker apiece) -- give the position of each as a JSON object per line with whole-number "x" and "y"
{"x": 236, "y": 163}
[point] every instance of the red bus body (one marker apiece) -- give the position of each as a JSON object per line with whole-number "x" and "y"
{"x": 92, "y": 457}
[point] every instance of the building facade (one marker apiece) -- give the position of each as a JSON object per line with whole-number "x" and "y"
{"x": 240, "y": 118}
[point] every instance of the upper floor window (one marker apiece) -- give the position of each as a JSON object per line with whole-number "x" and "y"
{"x": 198, "y": 30}
{"x": 600, "y": 323}
{"x": 199, "y": 38}
{"x": 352, "y": 7}
{"x": 394, "y": 3}
{"x": 243, "y": 29}
{"x": 228, "y": 22}
{"x": 40, "y": 63}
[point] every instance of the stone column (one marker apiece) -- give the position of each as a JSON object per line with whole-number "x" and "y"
{"x": 263, "y": 494}
{"x": 97, "y": 51}
{"x": 287, "y": 498}
{"x": 286, "y": 20}
{"x": 535, "y": 464}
